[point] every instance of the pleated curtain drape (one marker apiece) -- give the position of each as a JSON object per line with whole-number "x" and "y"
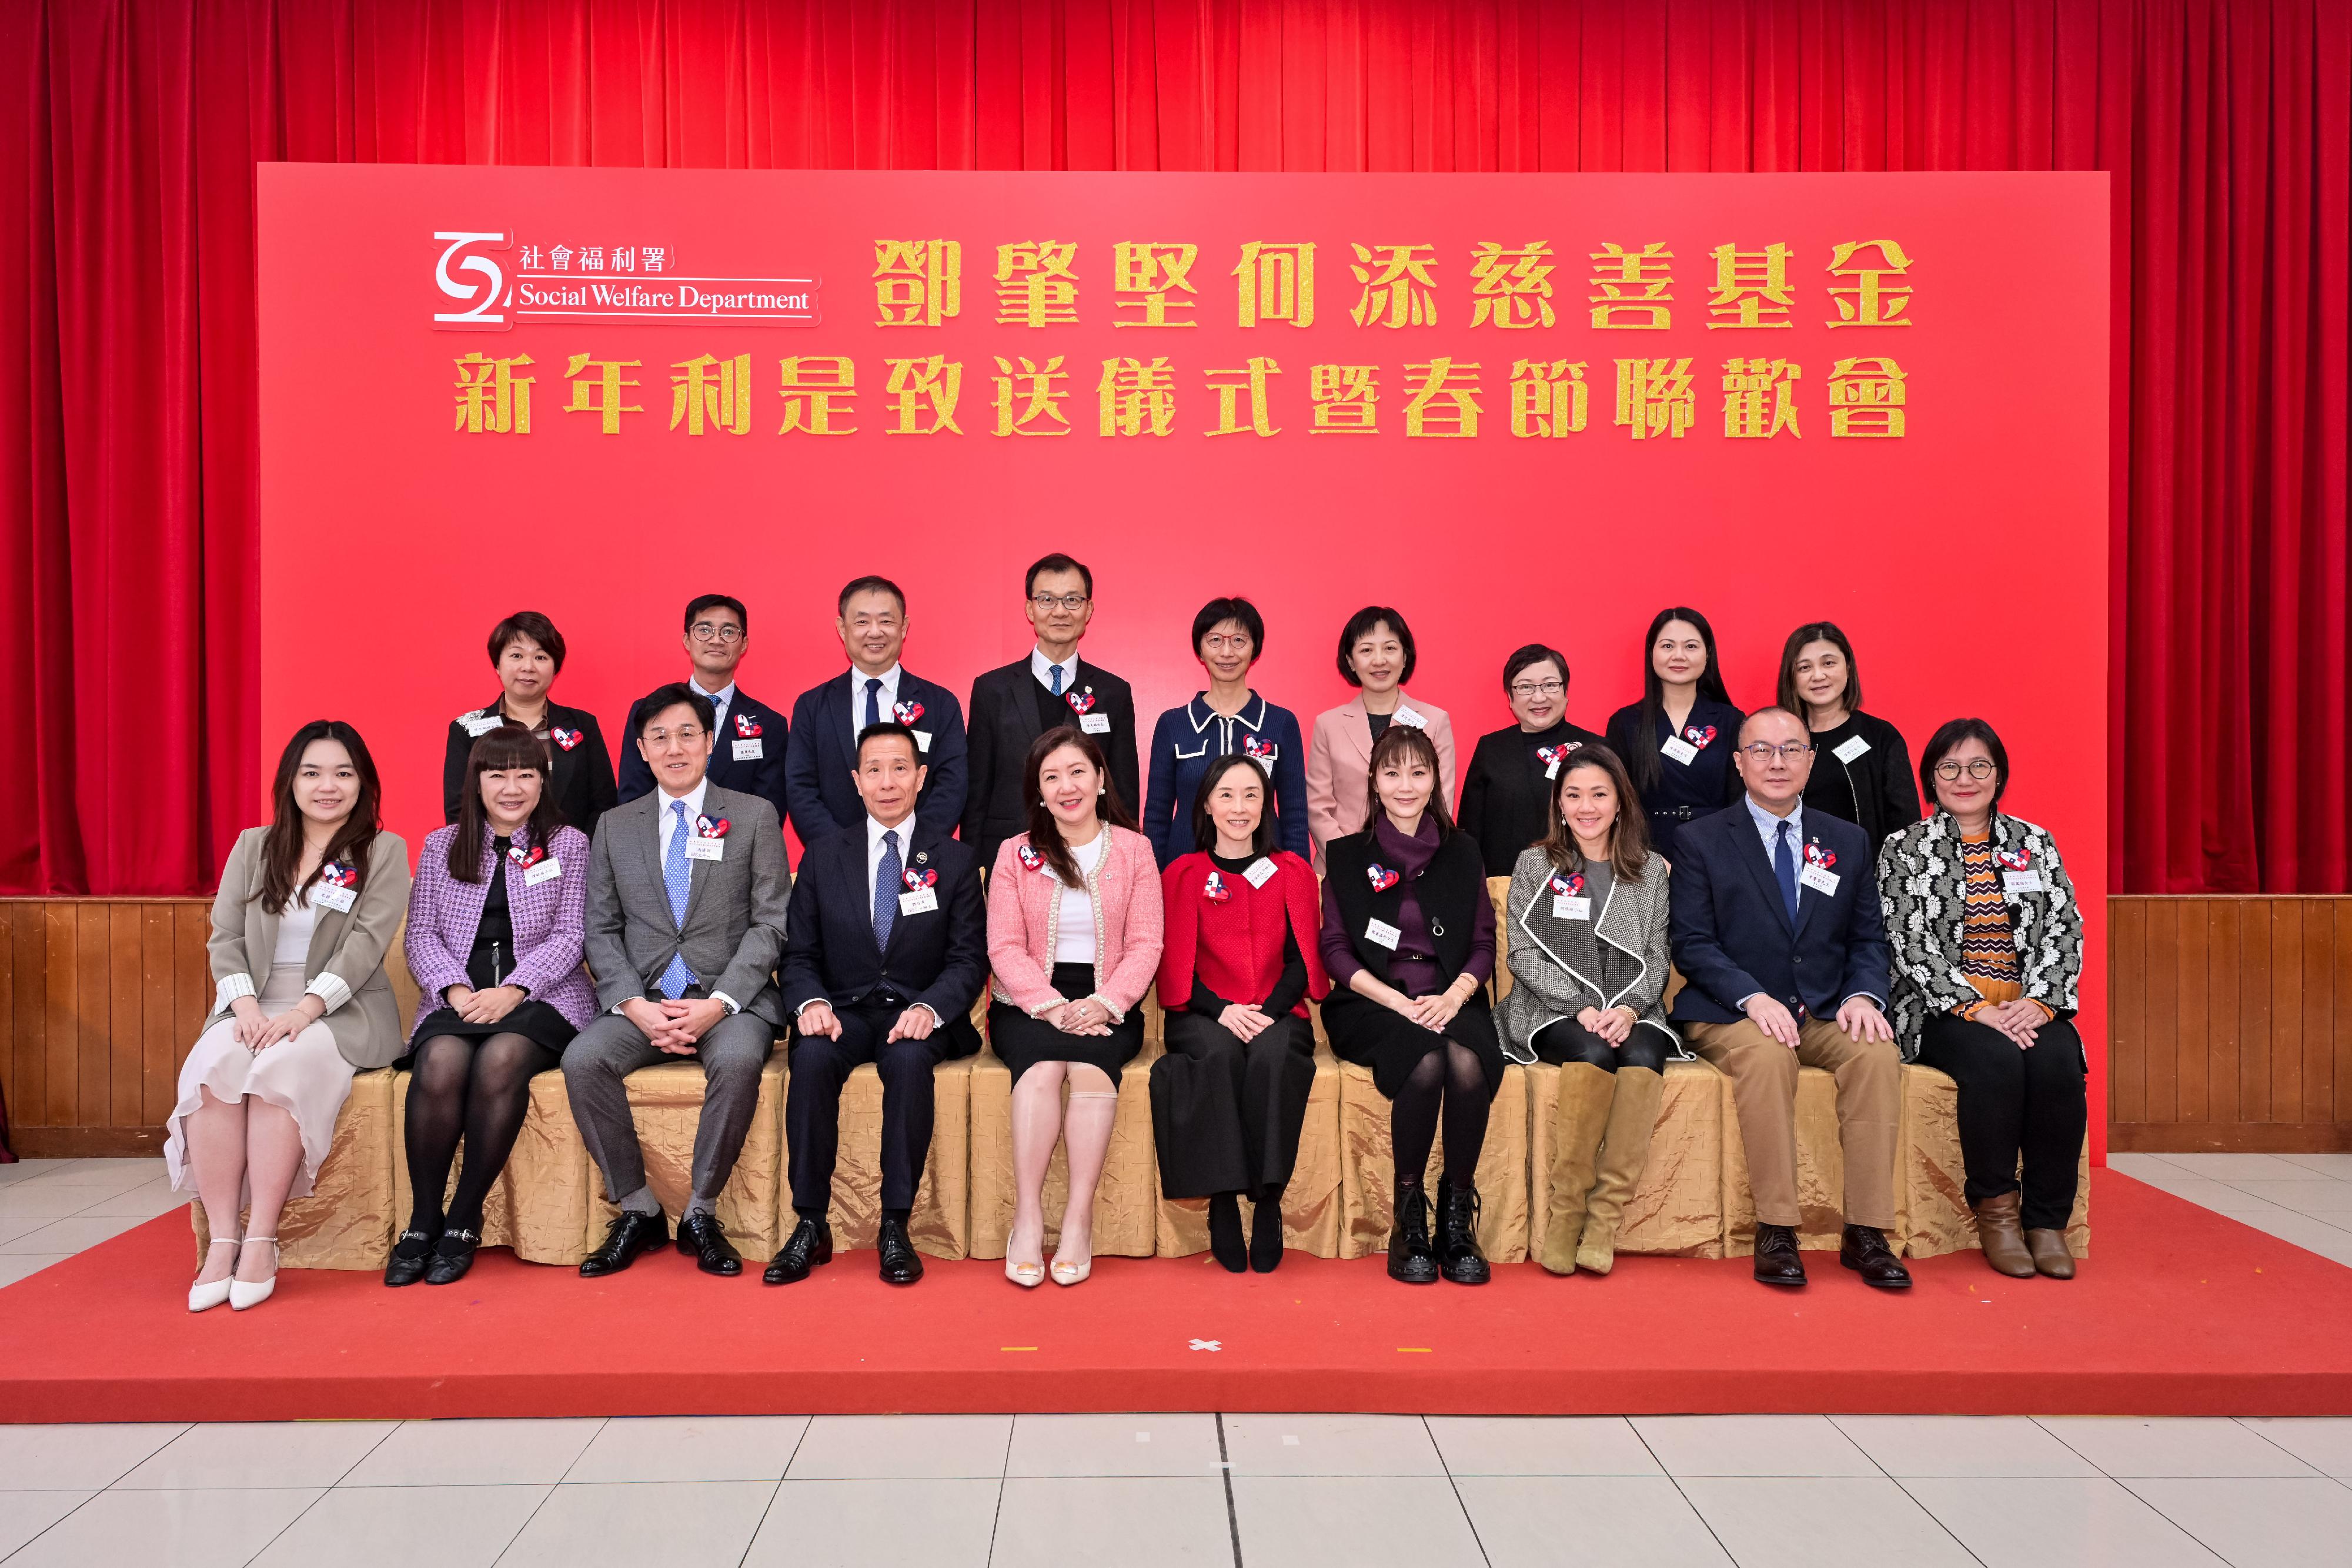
{"x": 129, "y": 129}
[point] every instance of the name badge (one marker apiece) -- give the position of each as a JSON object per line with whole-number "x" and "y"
{"x": 922, "y": 901}
{"x": 1817, "y": 879}
{"x": 479, "y": 728}
{"x": 701, "y": 849}
{"x": 1095, "y": 722}
{"x": 1380, "y": 933}
{"x": 1850, "y": 749}
{"x": 1266, "y": 763}
{"x": 1551, "y": 768}
{"x": 1411, "y": 720}
{"x": 1681, "y": 751}
{"x": 327, "y": 895}
{"x": 749, "y": 750}
{"x": 547, "y": 870}
{"x": 1564, "y": 907}
{"x": 923, "y": 740}
{"x": 2022, "y": 881}
{"x": 1260, "y": 872}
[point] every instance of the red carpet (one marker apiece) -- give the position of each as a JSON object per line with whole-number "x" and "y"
{"x": 2181, "y": 1313}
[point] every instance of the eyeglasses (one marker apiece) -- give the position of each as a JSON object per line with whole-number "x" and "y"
{"x": 717, "y": 631}
{"x": 1538, "y": 688}
{"x": 685, "y": 735}
{"x": 1980, "y": 769}
{"x": 1046, "y": 601}
{"x": 1760, "y": 753}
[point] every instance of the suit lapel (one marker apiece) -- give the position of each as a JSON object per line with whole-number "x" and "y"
{"x": 1760, "y": 866}
{"x": 1025, "y": 704}
{"x": 700, "y": 872}
{"x": 1358, "y": 722}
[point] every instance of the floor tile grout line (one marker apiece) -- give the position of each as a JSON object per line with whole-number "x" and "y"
{"x": 1677, "y": 1482}
{"x": 1225, "y": 1469}
{"x": 2182, "y": 1525}
{"x": 1455, "y": 1486}
{"x": 185, "y": 1428}
{"x": 602, "y": 1422}
{"x": 524, "y": 1528}
{"x": 806, "y": 1422}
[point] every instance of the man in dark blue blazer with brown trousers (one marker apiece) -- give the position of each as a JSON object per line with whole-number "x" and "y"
{"x": 1777, "y": 930}
{"x": 828, "y": 718}
{"x": 886, "y": 949}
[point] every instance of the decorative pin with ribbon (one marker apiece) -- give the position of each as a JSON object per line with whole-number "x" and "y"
{"x": 1217, "y": 890}
{"x": 1567, "y": 887}
{"x": 526, "y": 858}
{"x": 1031, "y": 858}
{"x": 1699, "y": 738}
{"x": 2017, "y": 859}
{"x": 1382, "y": 877}
{"x": 1816, "y": 855}
{"x": 1080, "y": 701}
{"x": 711, "y": 826}
{"x": 1263, "y": 750}
{"x": 567, "y": 738}
{"x": 747, "y": 726}
{"x": 907, "y": 712}
{"x": 1547, "y": 754}
{"x": 338, "y": 873}
{"x": 917, "y": 880}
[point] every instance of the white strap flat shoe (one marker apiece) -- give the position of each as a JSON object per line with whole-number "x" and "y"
{"x": 204, "y": 1295}
{"x": 242, "y": 1295}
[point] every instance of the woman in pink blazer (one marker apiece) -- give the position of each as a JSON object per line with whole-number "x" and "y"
{"x": 1074, "y": 930}
{"x": 1375, "y": 653}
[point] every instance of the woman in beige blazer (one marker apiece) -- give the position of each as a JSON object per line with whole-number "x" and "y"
{"x": 1375, "y": 653}
{"x": 306, "y": 909}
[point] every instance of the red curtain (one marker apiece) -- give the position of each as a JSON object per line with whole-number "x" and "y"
{"x": 128, "y": 453}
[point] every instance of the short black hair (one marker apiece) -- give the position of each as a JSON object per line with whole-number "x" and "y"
{"x": 884, "y": 731}
{"x": 528, "y": 624}
{"x": 1531, "y": 654}
{"x": 702, "y": 601}
{"x": 1948, "y": 738}
{"x": 1232, "y": 609}
{"x": 858, "y": 585}
{"x": 1204, "y": 831}
{"x": 664, "y": 698}
{"x": 1360, "y": 624}
{"x": 1057, "y": 561}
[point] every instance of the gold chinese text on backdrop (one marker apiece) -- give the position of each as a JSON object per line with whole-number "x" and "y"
{"x": 1153, "y": 286}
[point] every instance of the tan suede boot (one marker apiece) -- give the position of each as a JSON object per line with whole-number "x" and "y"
{"x": 1624, "y": 1150}
{"x": 1577, "y": 1121}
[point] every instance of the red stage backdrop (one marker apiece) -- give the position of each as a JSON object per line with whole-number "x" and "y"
{"x": 1531, "y": 408}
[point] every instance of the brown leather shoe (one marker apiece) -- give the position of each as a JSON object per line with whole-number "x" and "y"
{"x": 1777, "y": 1262}
{"x": 2003, "y": 1242}
{"x": 2050, "y": 1254}
{"x": 1865, "y": 1250}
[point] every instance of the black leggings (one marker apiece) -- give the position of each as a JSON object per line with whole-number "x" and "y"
{"x": 1564, "y": 1043}
{"x": 480, "y": 1089}
{"x": 2015, "y": 1104}
{"x": 1448, "y": 1082}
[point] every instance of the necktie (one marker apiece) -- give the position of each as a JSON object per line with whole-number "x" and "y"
{"x": 677, "y": 881}
{"x": 873, "y": 699}
{"x": 1784, "y": 867}
{"x": 886, "y": 890}
{"x": 1057, "y": 679}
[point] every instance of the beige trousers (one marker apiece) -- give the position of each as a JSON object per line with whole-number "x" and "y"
{"x": 1763, "y": 1075}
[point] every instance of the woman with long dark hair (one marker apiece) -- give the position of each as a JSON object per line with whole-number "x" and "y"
{"x": 307, "y": 907}
{"x": 1862, "y": 769}
{"x": 1676, "y": 742}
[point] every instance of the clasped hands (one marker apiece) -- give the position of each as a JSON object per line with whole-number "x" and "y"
{"x": 484, "y": 1005}
{"x": 1859, "y": 1017}
{"x": 818, "y": 1018}
{"x": 1085, "y": 1016}
{"x": 2019, "y": 1020}
{"x": 674, "y": 1027}
{"x": 1612, "y": 1024}
{"x": 257, "y": 1031}
{"x": 1435, "y": 1011}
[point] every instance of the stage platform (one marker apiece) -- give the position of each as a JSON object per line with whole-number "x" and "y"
{"x": 2180, "y": 1312}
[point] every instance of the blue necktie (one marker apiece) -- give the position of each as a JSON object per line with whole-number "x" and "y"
{"x": 678, "y": 880}
{"x": 873, "y": 699}
{"x": 886, "y": 890}
{"x": 1784, "y": 867}
{"x": 1057, "y": 678}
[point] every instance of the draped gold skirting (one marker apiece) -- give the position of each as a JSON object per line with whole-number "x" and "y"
{"x": 1367, "y": 1168}
{"x": 666, "y": 1099}
{"x": 538, "y": 1205}
{"x": 940, "y": 1226}
{"x": 1934, "y": 1208}
{"x": 1127, "y": 1200}
{"x": 1677, "y": 1209}
{"x": 1311, "y": 1204}
{"x": 350, "y": 1217}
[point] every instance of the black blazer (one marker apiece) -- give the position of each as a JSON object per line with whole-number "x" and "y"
{"x": 583, "y": 773}
{"x": 818, "y": 770}
{"x": 1886, "y": 789}
{"x": 939, "y": 958}
{"x": 1006, "y": 722}
{"x": 1730, "y": 931}
{"x": 748, "y": 758}
{"x": 1505, "y": 798}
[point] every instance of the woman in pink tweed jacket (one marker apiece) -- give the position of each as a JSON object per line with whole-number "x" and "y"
{"x": 1073, "y": 929}
{"x": 497, "y": 919}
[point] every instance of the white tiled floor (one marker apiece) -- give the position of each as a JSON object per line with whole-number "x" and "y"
{"x": 1362, "y": 1491}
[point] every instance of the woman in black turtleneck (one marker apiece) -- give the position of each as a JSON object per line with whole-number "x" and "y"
{"x": 1507, "y": 793}
{"x": 1862, "y": 769}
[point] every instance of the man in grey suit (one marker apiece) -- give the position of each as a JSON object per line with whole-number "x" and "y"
{"x": 687, "y": 893}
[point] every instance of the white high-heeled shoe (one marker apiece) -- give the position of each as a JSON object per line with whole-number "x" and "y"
{"x": 1028, "y": 1276}
{"x": 241, "y": 1294}
{"x": 204, "y": 1295}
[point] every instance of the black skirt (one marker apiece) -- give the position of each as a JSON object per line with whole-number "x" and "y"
{"x": 1225, "y": 1116}
{"x": 1391, "y": 1045}
{"x": 535, "y": 1020}
{"x": 1021, "y": 1042}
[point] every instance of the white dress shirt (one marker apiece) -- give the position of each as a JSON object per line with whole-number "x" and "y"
{"x": 874, "y": 847}
{"x": 720, "y": 700}
{"x": 1043, "y": 668}
{"x": 889, "y": 699}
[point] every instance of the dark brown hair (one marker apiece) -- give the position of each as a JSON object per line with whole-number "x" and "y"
{"x": 1628, "y": 839}
{"x": 1204, "y": 831}
{"x": 528, "y": 624}
{"x": 281, "y": 848}
{"x": 1408, "y": 738}
{"x": 1817, "y": 631}
{"x": 507, "y": 746}
{"x": 1044, "y": 828}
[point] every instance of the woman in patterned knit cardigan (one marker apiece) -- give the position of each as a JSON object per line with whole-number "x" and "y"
{"x": 1987, "y": 943}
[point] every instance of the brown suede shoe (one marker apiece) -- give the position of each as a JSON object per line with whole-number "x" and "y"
{"x": 2050, "y": 1254}
{"x": 2003, "y": 1242}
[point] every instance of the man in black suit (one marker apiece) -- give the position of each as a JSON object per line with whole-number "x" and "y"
{"x": 749, "y": 754}
{"x": 1012, "y": 706}
{"x": 1776, "y": 928}
{"x": 886, "y": 948}
{"x": 827, "y": 719}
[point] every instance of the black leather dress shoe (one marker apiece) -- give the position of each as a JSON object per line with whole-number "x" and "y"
{"x": 811, "y": 1244}
{"x": 453, "y": 1257}
{"x": 700, "y": 1237}
{"x": 631, "y": 1234}
{"x": 1777, "y": 1262}
{"x": 901, "y": 1264}
{"x": 410, "y": 1254}
{"x": 1865, "y": 1252}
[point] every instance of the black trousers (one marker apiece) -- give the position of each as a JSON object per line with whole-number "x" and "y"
{"x": 2015, "y": 1105}
{"x": 813, "y": 1102}
{"x": 1564, "y": 1043}
{"x": 1227, "y": 1114}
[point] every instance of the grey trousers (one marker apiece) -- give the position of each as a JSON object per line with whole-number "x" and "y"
{"x": 611, "y": 1047}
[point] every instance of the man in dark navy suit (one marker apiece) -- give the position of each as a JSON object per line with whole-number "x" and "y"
{"x": 748, "y": 756}
{"x": 829, "y": 718}
{"x": 1012, "y": 706}
{"x": 886, "y": 948}
{"x": 1777, "y": 929}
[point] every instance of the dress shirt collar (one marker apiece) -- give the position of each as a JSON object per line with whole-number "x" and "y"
{"x": 721, "y": 699}
{"x": 1043, "y": 668}
{"x": 874, "y": 831}
{"x": 1768, "y": 826}
{"x": 693, "y": 798}
{"x": 889, "y": 679}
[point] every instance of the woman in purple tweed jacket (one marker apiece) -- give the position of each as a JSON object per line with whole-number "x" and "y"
{"x": 496, "y": 922}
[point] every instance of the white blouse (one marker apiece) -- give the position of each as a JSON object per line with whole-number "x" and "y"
{"x": 295, "y": 928}
{"x": 1074, "y": 924}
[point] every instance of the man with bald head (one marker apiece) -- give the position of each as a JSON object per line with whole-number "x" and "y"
{"x": 1777, "y": 929}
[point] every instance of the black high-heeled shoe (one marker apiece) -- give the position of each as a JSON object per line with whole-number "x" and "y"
{"x": 1266, "y": 1235}
{"x": 453, "y": 1257}
{"x": 1225, "y": 1242}
{"x": 409, "y": 1255}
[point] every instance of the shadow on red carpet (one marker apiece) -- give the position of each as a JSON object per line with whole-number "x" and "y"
{"x": 2181, "y": 1312}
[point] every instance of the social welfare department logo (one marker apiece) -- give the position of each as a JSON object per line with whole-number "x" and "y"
{"x": 486, "y": 301}
{"x": 576, "y": 280}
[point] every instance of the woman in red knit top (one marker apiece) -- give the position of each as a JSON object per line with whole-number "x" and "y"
{"x": 1229, "y": 1097}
